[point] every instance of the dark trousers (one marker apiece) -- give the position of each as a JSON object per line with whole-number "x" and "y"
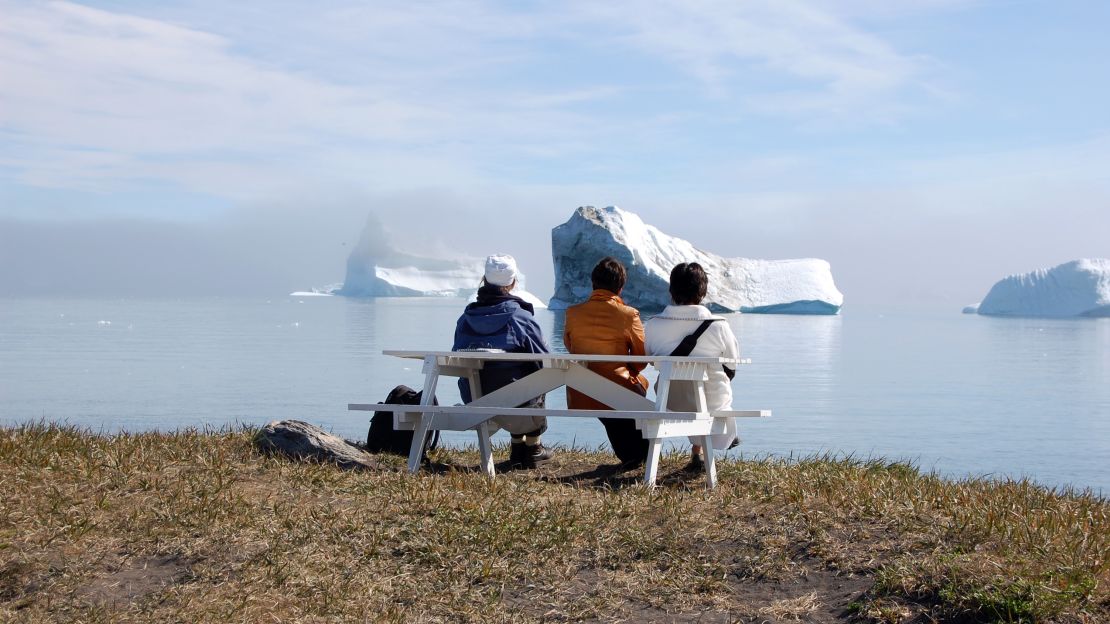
{"x": 628, "y": 443}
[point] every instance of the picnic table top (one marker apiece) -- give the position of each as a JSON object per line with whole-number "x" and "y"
{"x": 570, "y": 357}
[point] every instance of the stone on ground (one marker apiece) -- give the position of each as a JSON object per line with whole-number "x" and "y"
{"x": 300, "y": 440}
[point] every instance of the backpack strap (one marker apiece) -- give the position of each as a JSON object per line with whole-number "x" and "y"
{"x": 686, "y": 346}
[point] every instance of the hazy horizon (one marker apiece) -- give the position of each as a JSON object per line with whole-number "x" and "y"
{"x": 925, "y": 149}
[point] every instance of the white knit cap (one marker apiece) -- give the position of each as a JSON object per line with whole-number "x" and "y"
{"x": 500, "y": 269}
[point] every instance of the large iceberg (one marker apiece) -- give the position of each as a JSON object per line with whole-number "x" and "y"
{"x": 1076, "y": 288}
{"x": 375, "y": 269}
{"x": 803, "y": 286}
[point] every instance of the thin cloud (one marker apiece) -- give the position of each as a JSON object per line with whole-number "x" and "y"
{"x": 94, "y": 99}
{"x": 139, "y": 98}
{"x": 834, "y": 64}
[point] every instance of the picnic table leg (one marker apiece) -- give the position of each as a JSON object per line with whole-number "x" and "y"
{"x": 706, "y": 441}
{"x": 655, "y": 447}
{"x": 485, "y": 448}
{"x": 420, "y": 435}
{"x": 663, "y": 386}
{"x": 710, "y": 463}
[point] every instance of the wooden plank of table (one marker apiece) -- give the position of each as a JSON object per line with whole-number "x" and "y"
{"x": 741, "y": 414}
{"x": 494, "y": 356}
{"x": 396, "y": 407}
{"x": 494, "y": 410}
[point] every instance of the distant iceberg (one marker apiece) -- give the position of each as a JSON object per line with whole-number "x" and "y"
{"x": 326, "y": 291}
{"x": 1076, "y": 288}
{"x": 803, "y": 286}
{"x": 375, "y": 269}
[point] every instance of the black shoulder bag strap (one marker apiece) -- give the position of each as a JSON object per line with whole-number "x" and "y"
{"x": 686, "y": 347}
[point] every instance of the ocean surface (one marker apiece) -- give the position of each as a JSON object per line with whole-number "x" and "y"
{"x": 957, "y": 394}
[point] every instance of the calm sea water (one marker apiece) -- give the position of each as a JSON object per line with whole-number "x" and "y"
{"x": 962, "y": 395}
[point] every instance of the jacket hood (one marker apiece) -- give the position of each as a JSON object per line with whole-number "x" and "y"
{"x": 487, "y": 319}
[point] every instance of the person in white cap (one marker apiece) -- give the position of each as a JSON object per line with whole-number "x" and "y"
{"x": 501, "y": 320}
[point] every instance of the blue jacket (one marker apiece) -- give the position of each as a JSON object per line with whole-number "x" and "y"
{"x": 499, "y": 321}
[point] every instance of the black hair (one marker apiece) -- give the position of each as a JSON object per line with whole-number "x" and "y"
{"x": 609, "y": 274}
{"x": 688, "y": 283}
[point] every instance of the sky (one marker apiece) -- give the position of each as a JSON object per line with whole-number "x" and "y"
{"x": 926, "y": 148}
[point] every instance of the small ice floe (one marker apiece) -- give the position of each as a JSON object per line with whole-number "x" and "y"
{"x": 104, "y": 323}
{"x": 971, "y": 309}
{"x": 295, "y": 324}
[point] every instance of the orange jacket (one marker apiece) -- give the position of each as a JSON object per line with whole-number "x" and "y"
{"x": 604, "y": 325}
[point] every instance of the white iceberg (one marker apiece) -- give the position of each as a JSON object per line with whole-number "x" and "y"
{"x": 803, "y": 286}
{"x": 375, "y": 269}
{"x": 1076, "y": 288}
{"x": 326, "y": 291}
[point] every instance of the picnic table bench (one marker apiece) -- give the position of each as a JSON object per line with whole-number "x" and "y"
{"x": 653, "y": 419}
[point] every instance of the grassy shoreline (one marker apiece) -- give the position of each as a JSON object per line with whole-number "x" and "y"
{"x": 193, "y": 526}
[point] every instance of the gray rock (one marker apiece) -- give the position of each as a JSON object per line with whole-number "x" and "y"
{"x": 300, "y": 440}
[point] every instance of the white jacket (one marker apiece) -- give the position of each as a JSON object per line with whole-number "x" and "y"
{"x": 666, "y": 330}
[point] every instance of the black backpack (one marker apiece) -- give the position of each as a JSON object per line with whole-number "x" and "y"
{"x": 383, "y": 438}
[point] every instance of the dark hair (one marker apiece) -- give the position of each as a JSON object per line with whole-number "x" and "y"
{"x": 688, "y": 283}
{"x": 609, "y": 274}
{"x": 487, "y": 287}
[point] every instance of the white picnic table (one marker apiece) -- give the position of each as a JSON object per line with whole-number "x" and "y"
{"x": 653, "y": 419}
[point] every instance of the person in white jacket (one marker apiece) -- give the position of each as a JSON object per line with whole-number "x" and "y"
{"x": 664, "y": 333}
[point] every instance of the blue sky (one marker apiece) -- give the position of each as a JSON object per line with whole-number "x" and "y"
{"x": 925, "y": 147}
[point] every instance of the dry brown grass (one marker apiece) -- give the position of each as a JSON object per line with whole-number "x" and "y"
{"x": 199, "y": 527}
{"x": 792, "y": 609}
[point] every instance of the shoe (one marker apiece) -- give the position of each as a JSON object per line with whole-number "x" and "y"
{"x": 631, "y": 464}
{"x": 696, "y": 465}
{"x": 522, "y": 456}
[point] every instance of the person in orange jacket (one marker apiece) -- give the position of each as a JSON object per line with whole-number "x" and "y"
{"x": 605, "y": 325}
